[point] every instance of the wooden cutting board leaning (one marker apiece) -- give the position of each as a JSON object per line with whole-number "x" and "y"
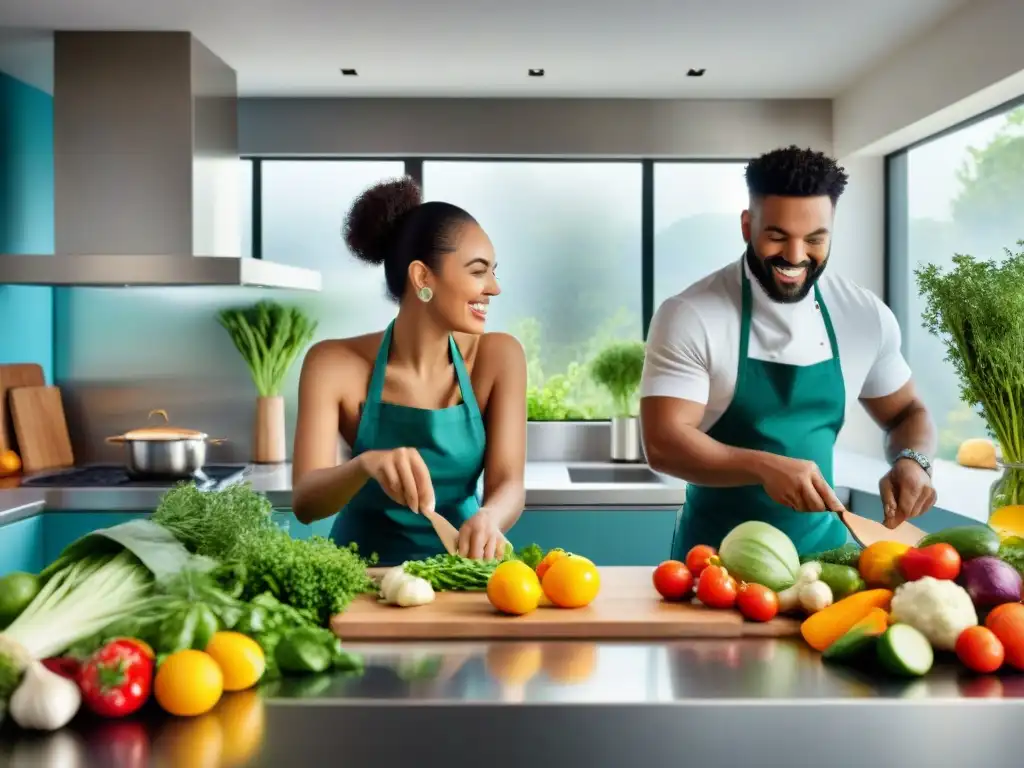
{"x": 12, "y": 376}
{"x": 41, "y": 428}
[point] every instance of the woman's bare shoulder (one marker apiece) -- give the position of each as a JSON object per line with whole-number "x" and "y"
{"x": 349, "y": 355}
{"x": 492, "y": 351}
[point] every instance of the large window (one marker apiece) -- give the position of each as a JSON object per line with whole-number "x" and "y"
{"x": 962, "y": 192}
{"x": 586, "y": 250}
{"x": 696, "y": 222}
{"x": 567, "y": 237}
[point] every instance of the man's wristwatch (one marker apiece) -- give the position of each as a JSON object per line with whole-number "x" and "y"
{"x": 920, "y": 458}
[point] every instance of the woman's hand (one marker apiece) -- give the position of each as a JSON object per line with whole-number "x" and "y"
{"x": 403, "y": 475}
{"x": 480, "y": 538}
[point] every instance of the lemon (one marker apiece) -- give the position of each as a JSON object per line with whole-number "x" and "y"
{"x": 1008, "y": 521}
{"x": 514, "y": 588}
{"x": 188, "y": 683}
{"x": 239, "y": 657}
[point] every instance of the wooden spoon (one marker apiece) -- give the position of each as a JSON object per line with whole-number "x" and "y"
{"x": 867, "y": 532}
{"x": 445, "y": 531}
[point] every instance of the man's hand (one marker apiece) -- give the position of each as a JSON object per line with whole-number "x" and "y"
{"x": 906, "y": 492}
{"x": 797, "y": 484}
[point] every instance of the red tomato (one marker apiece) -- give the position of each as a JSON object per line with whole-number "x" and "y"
{"x": 697, "y": 558}
{"x": 940, "y": 561}
{"x": 673, "y": 580}
{"x": 756, "y": 602}
{"x": 980, "y": 650}
{"x": 117, "y": 679}
{"x": 1007, "y": 623}
{"x": 716, "y": 588}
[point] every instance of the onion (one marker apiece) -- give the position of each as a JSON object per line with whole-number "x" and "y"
{"x": 991, "y": 582}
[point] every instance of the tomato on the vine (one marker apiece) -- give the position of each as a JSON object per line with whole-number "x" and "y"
{"x": 757, "y": 602}
{"x": 698, "y": 558}
{"x": 673, "y": 580}
{"x": 716, "y": 588}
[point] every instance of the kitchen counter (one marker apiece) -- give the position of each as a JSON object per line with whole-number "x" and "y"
{"x": 549, "y": 485}
{"x": 698, "y": 702}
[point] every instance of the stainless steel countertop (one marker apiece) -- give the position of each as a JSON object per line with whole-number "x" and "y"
{"x": 548, "y": 485}
{"x": 699, "y": 702}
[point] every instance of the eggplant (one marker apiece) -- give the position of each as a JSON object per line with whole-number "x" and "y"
{"x": 991, "y": 582}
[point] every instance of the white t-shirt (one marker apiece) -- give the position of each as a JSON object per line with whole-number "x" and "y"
{"x": 693, "y": 342}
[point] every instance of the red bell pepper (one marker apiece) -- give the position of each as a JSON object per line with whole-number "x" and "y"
{"x": 117, "y": 679}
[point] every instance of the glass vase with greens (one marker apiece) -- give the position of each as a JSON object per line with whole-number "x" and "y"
{"x": 269, "y": 337}
{"x": 977, "y": 309}
{"x": 619, "y": 368}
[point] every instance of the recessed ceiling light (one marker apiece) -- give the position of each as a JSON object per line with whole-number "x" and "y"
{"x": 534, "y": 72}
{"x": 696, "y": 72}
{"x": 349, "y": 72}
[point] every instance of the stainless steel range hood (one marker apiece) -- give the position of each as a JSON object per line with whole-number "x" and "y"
{"x": 147, "y": 177}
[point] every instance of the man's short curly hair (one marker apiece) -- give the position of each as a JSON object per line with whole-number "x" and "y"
{"x": 795, "y": 172}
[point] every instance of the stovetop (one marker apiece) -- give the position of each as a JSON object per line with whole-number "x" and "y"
{"x": 116, "y": 476}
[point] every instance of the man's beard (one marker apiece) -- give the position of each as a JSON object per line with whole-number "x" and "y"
{"x": 784, "y": 294}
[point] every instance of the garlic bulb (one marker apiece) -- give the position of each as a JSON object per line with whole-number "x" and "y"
{"x": 44, "y": 701}
{"x": 414, "y": 591}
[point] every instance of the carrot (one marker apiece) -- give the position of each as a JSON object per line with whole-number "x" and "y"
{"x": 823, "y": 628}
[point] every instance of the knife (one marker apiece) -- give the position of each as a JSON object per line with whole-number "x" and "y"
{"x": 866, "y": 532}
{"x": 445, "y": 531}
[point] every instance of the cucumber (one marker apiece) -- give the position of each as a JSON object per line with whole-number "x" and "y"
{"x": 841, "y": 579}
{"x": 970, "y": 541}
{"x": 904, "y": 651}
{"x": 848, "y": 554}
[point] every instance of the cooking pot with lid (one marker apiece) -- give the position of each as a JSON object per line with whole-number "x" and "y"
{"x": 165, "y": 450}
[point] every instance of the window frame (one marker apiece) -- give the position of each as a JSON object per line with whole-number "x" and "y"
{"x": 897, "y": 280}
{"x": 414, "y": 169}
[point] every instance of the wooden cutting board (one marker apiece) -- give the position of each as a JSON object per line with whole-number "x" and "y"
{"x": 12, "y": 376}
{"x": 627, "y": 608}
{"x": 41, "y": 428}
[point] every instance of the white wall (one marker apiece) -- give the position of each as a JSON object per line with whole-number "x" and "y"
{"x": 972, "y": 61}
{"x": 719, "y": 129}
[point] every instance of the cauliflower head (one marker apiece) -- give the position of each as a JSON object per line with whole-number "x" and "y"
{"x": 937, "y": 608}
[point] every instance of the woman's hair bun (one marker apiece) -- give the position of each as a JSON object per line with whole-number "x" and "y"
{"x": 373, "y": 221}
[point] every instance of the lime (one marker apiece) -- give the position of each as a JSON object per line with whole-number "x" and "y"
{"x": 17, "y": 590}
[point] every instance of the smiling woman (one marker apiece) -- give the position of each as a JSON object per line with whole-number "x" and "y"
{"x": 428, "y": 405}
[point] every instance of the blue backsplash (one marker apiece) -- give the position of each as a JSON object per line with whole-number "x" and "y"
{"x": 26, "y": 219}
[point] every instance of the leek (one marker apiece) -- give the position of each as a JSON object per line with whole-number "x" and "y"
{"x": 77, "y": 601}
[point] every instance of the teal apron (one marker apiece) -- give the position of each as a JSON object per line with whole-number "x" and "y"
{"x": 788, "y": 410}
{"x": 451, "y": 442}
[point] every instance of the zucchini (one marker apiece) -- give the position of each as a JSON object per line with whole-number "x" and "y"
{"x": 970, "y": 541}
{"x": 903, "y": 650}
{"x": 860, "y": 637}
{"x": 841, "y": 579}
{"x": 848, "y": 554}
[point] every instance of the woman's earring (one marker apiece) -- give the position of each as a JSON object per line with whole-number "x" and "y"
{"x": 425, "y": 294}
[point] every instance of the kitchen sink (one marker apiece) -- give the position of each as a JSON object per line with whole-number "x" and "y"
{"x": 624, "y": 474}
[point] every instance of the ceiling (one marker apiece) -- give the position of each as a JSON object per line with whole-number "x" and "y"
{"x": 467, "y": 48}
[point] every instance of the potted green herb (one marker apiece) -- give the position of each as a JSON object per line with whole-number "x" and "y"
{"x": 270, "y": 337}
{"x": 977, "y": 309}
{"x": 618, "y": 368}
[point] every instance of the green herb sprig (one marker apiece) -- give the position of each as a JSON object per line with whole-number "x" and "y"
{"x": 977, "y": 310}
{"x": 619, "y": 368}
{"x": 270, "y": 338}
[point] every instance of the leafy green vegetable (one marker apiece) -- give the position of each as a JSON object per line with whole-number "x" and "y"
{"x": 454, "y": 573}
{"x": 531, "y": 554}
{"x": 619, "y": 368}
{"x": 1011, "y": 551}
{"x": 270, "y": 337}
{"x": 977, "y": 310}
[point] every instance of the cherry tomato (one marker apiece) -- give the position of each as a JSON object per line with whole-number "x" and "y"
{"x": 697, "y": 558}
{"x": 980, "y": 650}
{"x": 716, "y": 588}
{"x": 673, "y": 580}
{"x": 117, "y": 679}
{"x": 756, "y": 602}
{"x": 940, "y": 561}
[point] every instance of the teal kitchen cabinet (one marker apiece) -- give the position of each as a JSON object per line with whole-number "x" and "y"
{"x": 606, "y": 536}
{"x": 62, "y": 528}
{"x": 21, "y": 546}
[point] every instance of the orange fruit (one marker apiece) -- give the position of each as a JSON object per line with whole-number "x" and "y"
{"x": 571, "y": 582}
{"x": 549, "y": 558}
{"x": 10, "y": 463}
{"x": 239, "y": 657}
{"x": 188, "y": 683}
{"x": 514, "y": 588}
{"x": 879, "y": 563}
